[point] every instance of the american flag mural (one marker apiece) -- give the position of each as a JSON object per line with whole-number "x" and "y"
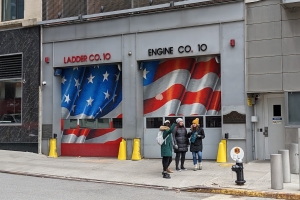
{"x": 91, "y": 92}
{"x": 183, "y": 86}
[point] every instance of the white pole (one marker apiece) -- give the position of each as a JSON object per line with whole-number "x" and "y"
{"x": 276, "y": 172}
{"x": 299, "y": 151}
{"x": 40, "y": 122}
{"x": 285, "y": 165}
{"x": 40, "y": 97}
{"x": 294, "y": 158}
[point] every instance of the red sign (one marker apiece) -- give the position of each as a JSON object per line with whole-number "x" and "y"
{"x": 86, "y": 58}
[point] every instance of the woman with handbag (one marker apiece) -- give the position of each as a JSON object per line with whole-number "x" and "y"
{"x": 196, "y": 134}
{"x": 180, "y": 143}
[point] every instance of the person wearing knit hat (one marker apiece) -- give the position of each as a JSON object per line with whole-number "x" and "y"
{"x": 196, "y": 135}
{"x": 196, "y": 121}
{"x": 179, "y": 120}
{"x": 166, "y": 148}
{"x": 180, "y": 143}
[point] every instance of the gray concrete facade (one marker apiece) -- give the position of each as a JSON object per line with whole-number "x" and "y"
{"x": 272, "y": 53}
{"x": 128, "y": 40}
{"x": 272, "y": 62}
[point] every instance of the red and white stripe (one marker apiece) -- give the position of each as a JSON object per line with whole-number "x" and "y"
{"x": 163, "y": 96}
{"x": 91, "y": 135}
{"x": 104, "y": 135}
{"x": 200, "y": 89}
{"x": 215, "y": 104}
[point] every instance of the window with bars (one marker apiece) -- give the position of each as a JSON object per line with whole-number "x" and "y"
{"x": 10, "y": 89}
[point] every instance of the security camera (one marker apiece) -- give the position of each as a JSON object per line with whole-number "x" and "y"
{"x": 44, "y": 82}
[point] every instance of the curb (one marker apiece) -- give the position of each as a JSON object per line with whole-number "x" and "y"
{"x": 92, "y": 180}
{"x": 242, "y": 192}
{"x": 199, "y": 189}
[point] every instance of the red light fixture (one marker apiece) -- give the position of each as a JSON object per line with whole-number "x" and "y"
{"x": 232, "y": 42}
{"x": 47, "y": 59}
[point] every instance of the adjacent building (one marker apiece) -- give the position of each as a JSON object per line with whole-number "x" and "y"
{"x": 272, "y": 74}
{"x": 19, "y": 74}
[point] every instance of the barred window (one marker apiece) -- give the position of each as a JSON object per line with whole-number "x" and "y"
{"x": 10, "y": 89}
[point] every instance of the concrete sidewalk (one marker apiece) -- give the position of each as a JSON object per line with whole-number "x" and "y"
{"x": 215, "y": 177}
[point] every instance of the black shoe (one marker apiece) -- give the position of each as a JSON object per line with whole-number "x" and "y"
{"x": 177, "y": 169}
{"x": 166, "y": 175}
{"x": 182, "y": 168}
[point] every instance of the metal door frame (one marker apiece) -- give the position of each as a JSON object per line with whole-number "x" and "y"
{"x": 266, "y": 119}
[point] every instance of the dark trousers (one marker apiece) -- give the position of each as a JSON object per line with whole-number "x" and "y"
{"x": 166, "y": 161}
{"x": 178, "y": 155}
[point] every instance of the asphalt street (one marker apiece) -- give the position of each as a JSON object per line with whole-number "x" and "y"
{"x": 34, "y": 188}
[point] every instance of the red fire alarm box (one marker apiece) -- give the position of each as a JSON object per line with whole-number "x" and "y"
{"x": 232, "y": 42}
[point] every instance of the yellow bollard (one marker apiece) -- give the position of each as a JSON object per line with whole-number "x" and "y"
{"x": 52, "y": 151}
{"x": 122, "y": 150}
{"x": 221, "y": 158}
{"x": 136, "y": 154}
{"x": 225, "y": 147}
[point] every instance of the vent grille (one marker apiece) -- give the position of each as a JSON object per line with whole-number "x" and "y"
{"x": 11, "y": 66}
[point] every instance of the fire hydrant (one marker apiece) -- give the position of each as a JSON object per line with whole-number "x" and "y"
{"x": 239, "y": 169}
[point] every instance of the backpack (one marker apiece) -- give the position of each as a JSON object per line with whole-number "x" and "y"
{"x": 160, "y": 140}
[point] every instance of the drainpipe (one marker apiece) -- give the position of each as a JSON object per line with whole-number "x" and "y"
{"x": 132, "y": 6}
{"x": 40, "y": 99}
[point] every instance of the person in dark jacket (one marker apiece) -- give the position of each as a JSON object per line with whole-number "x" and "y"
{"x": 180, "y": 143}
{"x": 166, "y": 148}
{"x": 196, "y": 134}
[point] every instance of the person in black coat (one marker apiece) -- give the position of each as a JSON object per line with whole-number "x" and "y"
{"x": 196, "y": 134}
{"x": 180, "y": 143}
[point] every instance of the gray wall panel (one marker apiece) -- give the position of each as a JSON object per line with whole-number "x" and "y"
{"x": 106, "y": 27}
{"x": 291, "y": 135}
{"x": 264, "y": 65}
{"x": 235, "y": 130}
{"x": 208, "y": 35}
{"x": 263, "y": 14}
{"x": 233, "y": 67}
{"x": 47, "y": 92}
{"x": 210, "y": 143}
{"x": 264, "y": 48}
{"x": 291, "y": 63}
{"x": 291, "y": 28}
{"x": 140, "y": 108}
{"x": 63, "y": 50}
{"x": 264, "y": 82}
{"x": 291, "y": 81}
{"x": 264, "y": 31}
{"x": 129, "y": 101}
{"x": 291, "y": 45}
{"x": 263, "y": 3}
